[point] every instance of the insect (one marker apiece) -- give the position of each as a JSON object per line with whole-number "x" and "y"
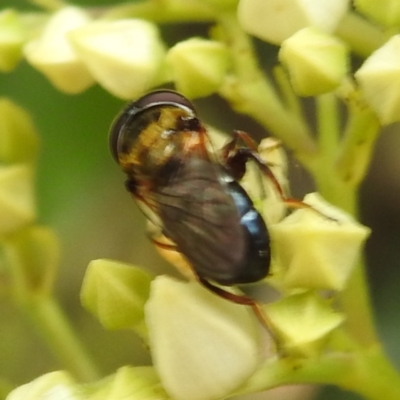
{"x": 192, "y": 195}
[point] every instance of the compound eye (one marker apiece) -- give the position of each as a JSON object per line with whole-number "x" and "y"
{"x": 138, "y": 114}
{"x": 160, "y": 97}
{"x": 117, "y": 130}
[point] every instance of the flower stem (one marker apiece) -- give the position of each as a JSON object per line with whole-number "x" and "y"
{"x": 289, "y": 97}
{"x": 162, "y": 11}
{"x": 366, "y": 373}
{"x": 250, "y": 92}
{"x": 338, "y": 171}
{"x": 328, "y": 125}
{"x": 51, "y": 323}
{"x": 359, "y": 138}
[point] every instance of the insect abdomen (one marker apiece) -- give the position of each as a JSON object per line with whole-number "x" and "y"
{"x": 257, "y": 257}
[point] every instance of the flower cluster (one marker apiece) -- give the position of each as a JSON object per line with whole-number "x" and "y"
{"x": 75, "y": 48}
{"x": 204, "y": 347}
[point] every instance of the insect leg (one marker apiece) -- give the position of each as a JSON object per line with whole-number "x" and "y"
{"x": 235, "y": 156}
{"x": 162, "y": 245}
{"x": 243, "y": 300}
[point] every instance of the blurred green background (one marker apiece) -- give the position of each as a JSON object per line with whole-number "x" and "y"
{"x": 81, "y": 195}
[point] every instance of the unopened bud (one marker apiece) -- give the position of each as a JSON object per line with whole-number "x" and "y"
{"x": 312, "y": 251}
{"x": 12, "y": 36}
{"x": 317, "y": 61}
{"x": 203, "y": 347}
{"x": 124, "y": 56}
{"x": 276, "y": 20}
{"x": 379, "y": 79}
{"x": 303, "y": 323}
{"x": 116, "y": 294}
{"x": 53, "y": 55}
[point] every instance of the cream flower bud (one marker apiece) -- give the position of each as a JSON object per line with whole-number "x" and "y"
{"x": 17, "y": 200}
{"x": 53, "y": 55}
{"x": 116, "y": 294}
{"x": 379, "y": 79}
{"x": 198, "y": 66}
{"x": 313, "y": 251}
{"x": 203, "y": 347}
{"x": 303, "y": 322}
{"x": 12, "y": 36}
{"x": 52, "y": 386}
{"x": 276, "y": 20}
{"x": 124, "y": 56}
{"x": 317, "y": 61}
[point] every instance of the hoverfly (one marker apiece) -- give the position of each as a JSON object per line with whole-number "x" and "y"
{"x": 195, "y": 197}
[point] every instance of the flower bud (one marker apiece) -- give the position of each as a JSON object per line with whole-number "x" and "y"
{"x": 313, "y": 251}
{"x": 203, "y": 347}
{"x": 52, "y": 386}
{"x": 12, "y": 36}
{"x": 385, "y": 12}
{"x": 116, "y": 294}
{"x": 276, "y": 20}
{"x": 133, "y": 383}
{"x": 124, "y": 56}
{"x": 33, "y": 253}
{"x": 53, "y": 55}
{"x": 379, "y": 79}
{"x": 198, "y": 66}
{"x": 303, "y": 323}
{"x": 17, "y": 200}
{"x": 317, "y": 61}
{"x": 19, "y": 141}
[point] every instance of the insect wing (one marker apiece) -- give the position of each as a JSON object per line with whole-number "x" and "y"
{"x": 200, "y": 217}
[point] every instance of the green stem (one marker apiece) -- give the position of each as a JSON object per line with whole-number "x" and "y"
{"x": 355, "y": 298}
{"x": 361, "y": 35}
{"x": 338, "y": 173}
{"x": 52, "y": 324}
{"x": 366, "y": 373}
{"x": 290, "y": 98}
{"x": 354, "y": 155}
{"x": 356, "y": 303}
{"x": 250, "y": 92}
{"x": 163, "y": 11}
{"x": 328, "y": 125}
{"x": 30, "y": 256}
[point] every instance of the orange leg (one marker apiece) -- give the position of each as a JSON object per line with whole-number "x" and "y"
{"x": 233, "y": 298}
{"x": 245, "y": 301}
{"x": 236, "y": 154}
